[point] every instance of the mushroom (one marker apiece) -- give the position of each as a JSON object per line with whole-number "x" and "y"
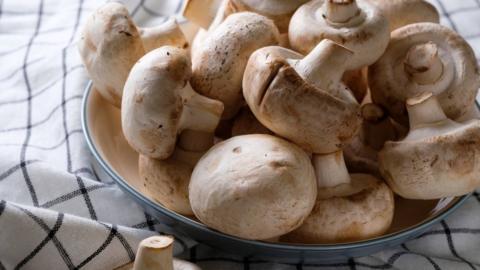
{"x": 109, "y": 47}
{"x": 357, "y": 25}
{"x": 425, "y": 57}
{"x": 220, "y": 60}
{"x": 302, "y": 99}
{"x": 253, "y": 186}
{"x": 168, "y": 33}
{"x": 349, "y": 207}
{"x": 111, "y": 43}
{"x": 156, "y": 253}
{"x": 159, "y": 103}
{"x": 246, "y": 123}
{"x": 361, "y": 155}
{"x": 404, "y": 12}
{"x": 438, "y": 158}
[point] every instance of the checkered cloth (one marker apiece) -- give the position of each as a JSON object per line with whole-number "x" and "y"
{"x": 58, "y": 212}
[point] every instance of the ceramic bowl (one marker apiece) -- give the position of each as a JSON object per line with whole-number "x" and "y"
{"x": 102, "y": 129}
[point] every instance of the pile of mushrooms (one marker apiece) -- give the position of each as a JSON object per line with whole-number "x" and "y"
{"x": 292, "y": 121}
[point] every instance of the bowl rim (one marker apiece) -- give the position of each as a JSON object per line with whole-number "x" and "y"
{"x": 404, "y": 233}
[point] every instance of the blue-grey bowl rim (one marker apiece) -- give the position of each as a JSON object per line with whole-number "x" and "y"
{"x": 282, "y": 246}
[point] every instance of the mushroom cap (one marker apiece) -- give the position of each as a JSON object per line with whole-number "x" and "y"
{"x": 280, "y": 11}
{"x": 434, "y": 161}
{"x": 109, "y": 47}
{"x": 246, "y": 123}
{"x": 152, "y": 105}
{"x": 253, "y": 186}
{"x": 391, "y": 85}
{"x": 294, "y": 109}
{"x": 365, "y": 214}
{"x": 404, "y": 12}
{"x": 220, "y": 60}
{"x": 166, "y": 181}
{"x": 367, "y": 39}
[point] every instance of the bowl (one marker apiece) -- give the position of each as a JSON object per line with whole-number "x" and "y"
{"x": 102, "y": 128}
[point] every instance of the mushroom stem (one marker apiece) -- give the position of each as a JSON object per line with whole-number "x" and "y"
{"x": 199, "y": 112}
{"x": 168, "y": 33}
{"x": 340, "y": 11}
{"x": 424, "y": 109}
{"x": 423, "y": 64}
{"x": 201, "y": 12}
{"x": 155, "y": 253}
{"x": 325, "y": 64}
{"x": 330, "y": 170}
{"x": 195, "y": 141}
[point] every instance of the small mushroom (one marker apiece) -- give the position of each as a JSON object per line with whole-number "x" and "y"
{"x": 357, "y": 25}
{"x": 168, "y": 33}
{"x": 349, "y": 207}
{"x": 361, "y": 155}
{"x": 220, "y": 60}
{"x": 159, "y": 103}
{"x": 156, "y": 253}
{"x": 109, "y": 47}
{"x": 253, "y": 186}
{"x": 302, "y": 98}
{"x": 246, "y": 123}
{"x": 425, "y": 57}
{"x": 438, "y": 158}
{"x": 405, "y": 12}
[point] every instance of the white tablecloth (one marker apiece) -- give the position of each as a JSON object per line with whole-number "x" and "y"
{"x": 58, "y": 212}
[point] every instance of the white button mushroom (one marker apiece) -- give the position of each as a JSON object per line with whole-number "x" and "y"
{"x": 253, "y": 186}
{"x": 361, "y": 155}
{"x": 404, "y": 12}
{"x": 159, "y": 103}
{"x": 357, "y": 25}
{"x": 425, "y": 57}
{"x": 438, "y": 158}
{"x": 348, "y": 207}
{"x": 156, "y": 253}
{"x": 220, "y": 60}
{"x": 111, "y": 44}
{"x": 303, "y": 100}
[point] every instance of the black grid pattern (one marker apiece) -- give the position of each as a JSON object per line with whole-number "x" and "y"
{"x": 49, "y": 189}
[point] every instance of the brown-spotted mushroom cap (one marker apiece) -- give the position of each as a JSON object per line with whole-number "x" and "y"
{"x": 356, "y": 81}
{"x": 167, "y": 33}
{"x": 156, "y": 253}
{"x": 253, "y": 186}
{"x": 302, "y": 98}
{"x": 403, "y": 12}
{"x": 425, "y": 57}
{"x": 438, "y": 158}
{"x": 357, "y": 25}
{"x": 361, "y": 154}
{"x": 109, "y": 47}
{"x": 220, "y": 60}
{"x": 159, "y": 103}
{"x": 349, "y": 207}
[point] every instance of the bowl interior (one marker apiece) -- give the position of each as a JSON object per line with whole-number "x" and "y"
{"x": 104, "y": 125}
